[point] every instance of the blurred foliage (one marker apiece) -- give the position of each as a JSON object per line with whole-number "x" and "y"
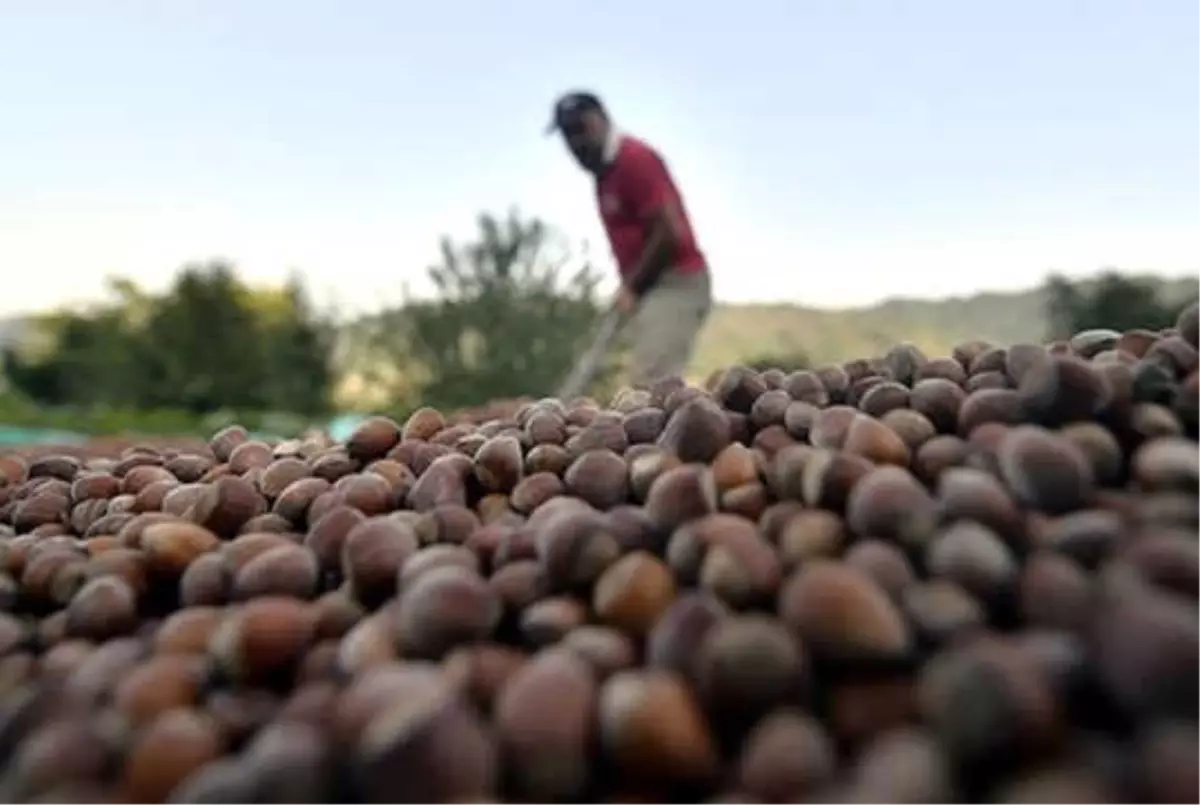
{"x": 1113, "y": 301}
{"x": 513, "y": 310}
{"x": 788, "y": 362}
{"x": 514, "y": 307}
{"x": 208, "y": 344}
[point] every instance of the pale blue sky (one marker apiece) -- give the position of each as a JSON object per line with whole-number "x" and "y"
{"x": 833, "y": 152}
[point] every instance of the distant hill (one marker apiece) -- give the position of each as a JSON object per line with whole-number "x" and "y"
{"x": 739, "y": 333}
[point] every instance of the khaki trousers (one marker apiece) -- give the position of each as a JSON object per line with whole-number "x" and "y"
{"x": 665, "y": 325}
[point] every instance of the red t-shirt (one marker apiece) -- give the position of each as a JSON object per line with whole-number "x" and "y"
{"x": 637, "y": 184}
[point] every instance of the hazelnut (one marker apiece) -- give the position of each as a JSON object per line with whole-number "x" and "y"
{"x": 1044, "y": 470}
{"x": 808, "y": 387}
{"x": 448, "y": 522}
{"x": 599, "y": 477}
{"x": 973, "y": 556}
{"x": 225, "y": 440}
{"x": 644, "y": 469}
{"x": 549, "y": 620}
{"x": 249, "y": 455}
{"x": 653, "y": 730}
{"x": 1020, "y": 704}
{"x": 426, "y": 747}
{"x": 680, "y": 494}
{"x": 545, "y": 718}
{"x": 171, "y": 546}
{"x": 769, "y": 408}
{"x": 810, "y": 533}
{"x": 423, "y": 424}
{"x": 885, "y": 563}
{"x": 574, "y": 547}
{"x": 798, "y": 419}
{"x": 280, "y": 474}
{"x": 903, "y": 362}
{"x": 607, "y": 650}
{"x": 517, "y": 584}
{"x": 226, "y": 504}
{"x": 336, "y": 613}
{"x": 965, "y": 493}
{"x": 726, "y": 555}
{"x": 373, "y": 552}
{"x": 444, "y": 607}
{"x": 828, "y": 478}
{"x": 550, "y": 458}
{"x": 499, "y": 464}
{"x": 327, "y": 535}
{"x": 633, "y": 593}
{"x": 733, "y": 467}
{"x": 746, "y": 666}
{"x": 442, "y": 482}
{"x": 368, "y": 492}
{"x": 263, "y": 637}
{"x": 187, "y": 631}
{"x": 902, "y": 765}
{"x": 697, "y": 431}
{"x": 284, "y": 570}
{"x": 1062, "y": 389}
{"x": 294, "y": 500}
{"x": 786, "y": 756}
{"x": 368, "y": 644}
{"x": 269, "y": 523}
{"x": 481, "y": 671}
{"x": 675, "y": 640}
{"x": 1054, "y": 592}
{"x": 841, "y": 612}
{"x": 939, "y": 401}
{"x": 238, "y": 552}
{"x": 882, "y": 398}
{"x": 157, "y": 686}
{"x": 534, "y": 490}
{"x": 425, "y": 559}
{"x": 167, "y": 752}
{"x": 374, "y": 437}
{"x": 830, "y": 426}
{"x": 999, "y": 405}
{"x": 891, "y": 504}
{"x": 103, "y": 608}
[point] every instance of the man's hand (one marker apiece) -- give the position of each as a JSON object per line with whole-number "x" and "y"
{"x": 625, "y": 301}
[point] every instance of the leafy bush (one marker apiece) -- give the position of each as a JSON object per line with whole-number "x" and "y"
{"x": 786, "y": 362}
{"x": 209, "y": 343}
{"x": 1114, "y": 301}
{"x": 514, "y": 309}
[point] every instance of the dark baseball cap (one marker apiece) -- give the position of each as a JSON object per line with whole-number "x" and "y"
{"x": 569, "y": 108}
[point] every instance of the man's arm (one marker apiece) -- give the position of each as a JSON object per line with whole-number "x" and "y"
{"x": 649, "y": 193}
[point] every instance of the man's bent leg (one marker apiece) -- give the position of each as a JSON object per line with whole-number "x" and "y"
{"x": 668, "y": 319}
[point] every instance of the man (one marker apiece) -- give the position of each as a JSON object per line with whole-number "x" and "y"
{"x": 665, "y": 286}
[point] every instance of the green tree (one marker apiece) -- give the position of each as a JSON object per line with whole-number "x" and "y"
{"x": 298, "y": 348}
{"x": 207, "y": 353}
{"x": 509, "y": 319}
{"x": 794, "y": 360}
{"x": 1112, "y": 301}
{"x": 208, "y": 343}
{"x": 89, "y": 356}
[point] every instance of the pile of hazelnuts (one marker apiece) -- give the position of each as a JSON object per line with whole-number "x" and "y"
{"x": 897, "y": 579}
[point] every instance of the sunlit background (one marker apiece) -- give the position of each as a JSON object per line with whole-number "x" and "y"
{"x": 833, "y": 152}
